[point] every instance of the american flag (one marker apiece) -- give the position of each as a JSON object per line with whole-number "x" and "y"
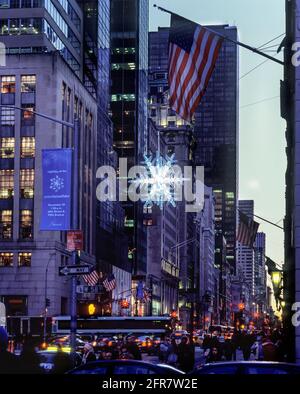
{"x": 193, "y": 52}
{"x": 247, "y": 230}
{"x": 91, "y": 279}
{"x": 110, "y": 283}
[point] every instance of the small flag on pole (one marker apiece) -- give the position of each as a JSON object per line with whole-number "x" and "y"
{"x": 193, "y": 53}
{"x": 110, "y": 283}
{"x": 91, "y": 279}
{"x": 247, "y": 230}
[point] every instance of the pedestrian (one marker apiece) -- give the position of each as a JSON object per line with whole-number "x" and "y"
{"x": 228, "y": 349}
{"x": 62, "y": 361}
{"x": 172, "y": 353}
{"x": 29, "y": 359}
{"x": 88, "y": 354}
{"x": 125, "y": 354}
{"x": 246, "y": 344}
{"x": 133, "y": 348}
{"x": 213, "y": 355}
{"x": 163, "y": 350}
{"x": 270, "y": 350}
{"x": 8, "y": 361}
{"x": 186, "y": 355}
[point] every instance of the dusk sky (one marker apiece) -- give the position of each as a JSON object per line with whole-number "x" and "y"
{"x": 262, "y": 130}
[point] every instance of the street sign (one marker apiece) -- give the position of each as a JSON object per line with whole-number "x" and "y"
{"x": 84, "y": 289}
{"x": 68, "y": 270}
{"x": 74, "y": 240}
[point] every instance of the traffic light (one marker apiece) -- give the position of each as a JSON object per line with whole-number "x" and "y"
{"x": 47, "y": 302}
{"x": 91, "y": 309}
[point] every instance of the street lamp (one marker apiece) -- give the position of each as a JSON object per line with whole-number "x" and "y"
{"x": 46, "y": 297}
{"x": 75, "y": 127}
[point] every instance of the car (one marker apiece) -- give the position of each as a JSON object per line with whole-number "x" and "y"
{"x": 247, "y": 368}
{"x": 124, "y": 367}
{"x": 47, "y": 360}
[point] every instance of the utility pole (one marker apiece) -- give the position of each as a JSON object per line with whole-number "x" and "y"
{"x": 46, "y": 297}
{"x": 73, "y": 306}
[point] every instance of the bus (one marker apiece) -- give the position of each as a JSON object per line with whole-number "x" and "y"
{"x": 114, "y": 325}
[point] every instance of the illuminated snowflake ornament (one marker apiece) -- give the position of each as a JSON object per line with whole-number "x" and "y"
{"x": 56, "y": 183}
{"x": 161, "y": 182}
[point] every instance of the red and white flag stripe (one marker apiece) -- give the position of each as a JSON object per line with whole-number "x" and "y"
{"x": 190, "y": 72}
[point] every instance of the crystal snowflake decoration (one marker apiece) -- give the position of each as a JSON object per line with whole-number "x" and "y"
{"x": 56, "y": 183}
{"x": 162, "y": 180}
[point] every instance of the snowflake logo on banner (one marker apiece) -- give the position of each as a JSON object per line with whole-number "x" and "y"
{"x": 56, "y": 183}
{"x": 161, "y": 182}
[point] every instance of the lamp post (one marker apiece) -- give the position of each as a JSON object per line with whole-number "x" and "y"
{"x": 46, "y": 297}
{"x": 75, "y": 127}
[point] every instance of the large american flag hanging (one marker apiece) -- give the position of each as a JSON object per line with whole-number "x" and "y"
{"x": 110, "y": 283}
{"x": 247, "y": 230}
{"x": 91, "y": 279}
{"x": 193, "y": 52}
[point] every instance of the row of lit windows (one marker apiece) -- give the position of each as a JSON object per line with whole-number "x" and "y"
{"x": 27, "y": 116}
{"x": 8, "y": 84}
{"x": 7, "y": 259}
{"x": 26, "y": 224}
{"x": 7, "y": 183}
{"x": 18, "y": 26}
{"x": 7, "y": 147}
{"x": 122, "y": 97}
{"x": 21, "y": 3}
{"x": 123, "y": 66}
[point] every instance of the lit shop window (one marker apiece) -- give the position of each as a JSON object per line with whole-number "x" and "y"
{"x": 8, "y": 84}
{"x": 24, "y": 259}
{"x": 28, "y": 83}
{"x": 6, "y": 184}
{"x": 5, "y": 224}
{"x": 27, "y": 183}
{"x": 7, "y": 147}
{"x": 27, "y": 147}
{"x": 26, "y": 224}
{"x": 6, "y": 259}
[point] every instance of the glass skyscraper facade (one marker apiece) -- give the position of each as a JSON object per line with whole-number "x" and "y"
{"x": 216, "y": 133}
{"x": 129, "y": 91}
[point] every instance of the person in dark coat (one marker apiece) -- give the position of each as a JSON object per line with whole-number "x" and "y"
{"x": 29, "y": 359}
{"x": 8, "y": 362}
{"x": 133, "y": 348}
{"x": 186, "y": 355}
{"x": 62, "y": 361}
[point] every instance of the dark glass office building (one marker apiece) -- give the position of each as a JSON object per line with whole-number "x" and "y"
{"x": 216, "y": 133}
{"x": 129, "y": 90}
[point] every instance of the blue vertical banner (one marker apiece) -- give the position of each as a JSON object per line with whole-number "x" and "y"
{"x": 57, "y": 175}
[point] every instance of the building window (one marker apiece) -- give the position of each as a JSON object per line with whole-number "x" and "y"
{"x": 6, "y": 224}
{"x": 27, "y": 147}
{"x": 8, "y": 84}
{"x": 24, "y": 259}
{"x": 6, "y": 259}
{"x": 26, "y": 224}
{"x": 7, "y": 148}
{"x": 6, "y": 184}
{"x": 27, "y": 117}
{"x": 27, "y": 183}
{"x": 28, "y": 83}
{"x": 7, "y": 117}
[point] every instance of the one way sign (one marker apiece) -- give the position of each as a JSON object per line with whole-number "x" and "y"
{"x": 74, "y": 270}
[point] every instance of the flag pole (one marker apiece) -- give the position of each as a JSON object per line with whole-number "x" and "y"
{"x": 265, "y": 220}
{"x": 241, "y": 44}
